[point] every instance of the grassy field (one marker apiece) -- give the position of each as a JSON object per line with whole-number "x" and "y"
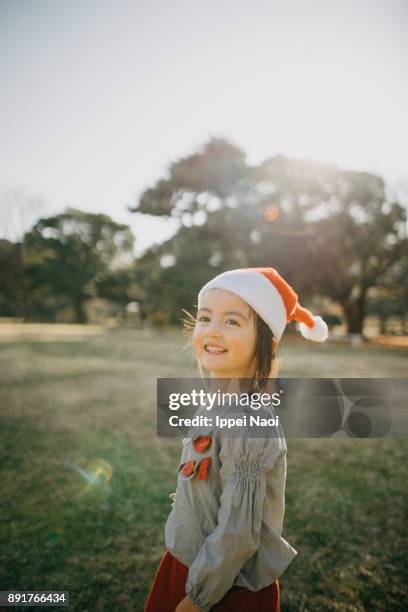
{"x": 80, "y": 405}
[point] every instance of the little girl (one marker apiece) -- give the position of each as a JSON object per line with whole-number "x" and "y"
{"x": 225, "y": 550}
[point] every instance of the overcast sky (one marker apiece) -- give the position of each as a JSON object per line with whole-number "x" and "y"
{"x": 98, "y": 97}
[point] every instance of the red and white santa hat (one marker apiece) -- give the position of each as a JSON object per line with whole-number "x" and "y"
{"x": 272, "y": 298}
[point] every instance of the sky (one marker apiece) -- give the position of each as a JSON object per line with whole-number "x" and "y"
{"x": 98, "y": 97}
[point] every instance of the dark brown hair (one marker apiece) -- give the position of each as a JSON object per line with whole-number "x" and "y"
{"x": 264, "y": 355}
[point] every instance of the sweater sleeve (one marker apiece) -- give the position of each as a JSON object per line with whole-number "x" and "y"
{"x": 244, "y": 464}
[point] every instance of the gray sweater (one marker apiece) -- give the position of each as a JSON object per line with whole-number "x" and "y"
{"x": 227, "y": 516}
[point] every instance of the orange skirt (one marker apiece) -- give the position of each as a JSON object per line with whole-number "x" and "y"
{"x": 168, "y": 589}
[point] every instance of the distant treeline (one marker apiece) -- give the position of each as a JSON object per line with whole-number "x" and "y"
{"x": 336, "y": 235}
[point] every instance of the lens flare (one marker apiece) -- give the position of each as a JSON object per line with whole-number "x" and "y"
{"x": 55, "y": 537}
{"x": 271, "y": 214}
{"x": 101, "y": 471}
{"x": 97, "y": 473}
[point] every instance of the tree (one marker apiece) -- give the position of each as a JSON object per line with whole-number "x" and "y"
{"x": 75, "y": 250}
{"x": 326, "y": 230}
{"x": 201, "y": 191}
{"x": 347, "y": 233}
{"x": 118, "y": 286}
{"x": 391, "y": 296}
{"x": 9, "y": 286}
{"x": 18, "y": 209}
{"x": 217, "y": 171}
{"x": 357, "y": 244}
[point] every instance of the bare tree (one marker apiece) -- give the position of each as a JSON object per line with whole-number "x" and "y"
{"x": 18, "y": 212}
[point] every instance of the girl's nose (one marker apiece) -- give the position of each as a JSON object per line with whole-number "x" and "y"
{"x": 214, "y": 334}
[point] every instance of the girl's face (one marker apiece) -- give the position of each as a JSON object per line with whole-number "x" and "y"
{"x": 224, "y": 335}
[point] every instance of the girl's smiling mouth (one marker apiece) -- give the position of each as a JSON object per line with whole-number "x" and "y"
{"x": 213, "y": 349}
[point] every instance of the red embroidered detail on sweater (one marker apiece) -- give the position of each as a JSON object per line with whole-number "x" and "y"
{"x": 202, "y": 443}
{"x": 203, "y": 469}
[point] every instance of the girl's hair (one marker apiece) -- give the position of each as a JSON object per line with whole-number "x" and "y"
{"x": 264, "y": 356}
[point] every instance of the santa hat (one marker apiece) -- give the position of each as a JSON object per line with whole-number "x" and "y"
{"x": 272, "y": 298}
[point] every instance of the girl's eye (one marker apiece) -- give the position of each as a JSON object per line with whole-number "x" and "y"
{"x": 204, "y": 319}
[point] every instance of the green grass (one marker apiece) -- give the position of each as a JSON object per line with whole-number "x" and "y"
{"x": 91, "y": 402}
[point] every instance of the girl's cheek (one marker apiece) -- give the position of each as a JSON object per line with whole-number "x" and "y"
{"x": 196, "y": 339}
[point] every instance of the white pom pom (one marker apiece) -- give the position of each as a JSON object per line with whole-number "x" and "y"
{"x": 318, "y": 333}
